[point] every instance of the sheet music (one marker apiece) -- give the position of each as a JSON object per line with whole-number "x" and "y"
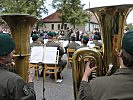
{"x": 91, "y": 45}
{"x": 36, "y": 54}
{"x": 50, "y": 54}
{"x": 47, "y": 55}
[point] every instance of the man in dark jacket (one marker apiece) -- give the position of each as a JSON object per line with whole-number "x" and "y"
{"x": 12, "y": 86}
{"x": 118, "y": 86}
{"x": 84, "y": 40}
{"x": 35, "y": 40}
{"x": 72, "y": 45}
{"x": 51, "y": 43}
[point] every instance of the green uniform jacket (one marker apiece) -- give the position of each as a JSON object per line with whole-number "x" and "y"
{"x": 82, "y": 46}
{"x": 72, "y": 45}
{"x": 34, "y": 44}
{"x": 13, "y": 87}
{"x": 41, "y": 40}
{"x": 118, "y": 86}
{"x": 97, "y": 43}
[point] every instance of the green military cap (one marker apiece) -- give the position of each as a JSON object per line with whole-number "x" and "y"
{"x": 35, "y": 36}
{"x": 54, "y": 33}
{"x": 41, "y": 33}
{"x": 85, "y": 38}
{"x": 7, "y": 45}
{"x": 127, "y": 42}
{"x": 95, "y": 37}
{"x": 51, "y": 34}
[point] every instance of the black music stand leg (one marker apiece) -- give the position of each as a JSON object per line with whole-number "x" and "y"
{"x": 43, "y": 83}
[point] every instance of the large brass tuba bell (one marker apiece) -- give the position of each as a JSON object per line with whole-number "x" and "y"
{"x": 21, "y": 27}
{"x": 112, "y": 20}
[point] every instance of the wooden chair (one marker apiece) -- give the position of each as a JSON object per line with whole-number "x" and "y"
{"x": 53, "y": 68}
{"x": 69, "y": 58}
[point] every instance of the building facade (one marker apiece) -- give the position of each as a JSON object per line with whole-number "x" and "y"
{"x": 53, "y": 22}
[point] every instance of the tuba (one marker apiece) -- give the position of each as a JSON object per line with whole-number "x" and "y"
{"x": 112, "y": 21}
{"x": 21, "y": 27}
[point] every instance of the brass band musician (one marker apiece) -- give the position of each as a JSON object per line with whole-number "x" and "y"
{"x": 35, "y": 42}
{"x": 12, "y": 86}
{"x": 115, "y": 87}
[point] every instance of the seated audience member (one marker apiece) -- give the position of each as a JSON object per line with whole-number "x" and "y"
{"x": 35, "y": 40}
{"x": 96, "y": 42}
{"x": 72, "y": 45}
{"x": 84, "y": 41}
{"x": 12, "y": 86}
{"x": 51, "y": 43}
{"x": 41, "y": 38}
{"x": 115, "y": 87}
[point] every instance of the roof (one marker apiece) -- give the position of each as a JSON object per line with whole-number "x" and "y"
{"x": 55, "y": 17}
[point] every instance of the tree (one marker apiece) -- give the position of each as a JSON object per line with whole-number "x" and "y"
{"x": 63, "y": 7}
{"x": 130, "y": 27}
{"x": 71, "y": 11}
{"x": 32, "y": 7}
{"x": 78, "y": 15}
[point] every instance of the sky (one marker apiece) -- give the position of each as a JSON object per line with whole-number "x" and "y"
{"x": 95, "y": 3}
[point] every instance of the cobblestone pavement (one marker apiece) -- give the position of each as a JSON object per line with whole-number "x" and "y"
{"x": 53, "y": 90}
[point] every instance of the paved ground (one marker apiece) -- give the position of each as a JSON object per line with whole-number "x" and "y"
{"x": 55, "y": 91}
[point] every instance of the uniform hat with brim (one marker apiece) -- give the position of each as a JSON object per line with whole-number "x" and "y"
{"x": 51, "y": 34}
{"x": 127, "y": 42}
{"x": 95, "y": 37}
{"x": 41, "y": 34}
{"x": 35, "y": 36}
{"x": 7, "y": 45}
{"x": 55, "y": 33}
{"x": 85, "y": 38}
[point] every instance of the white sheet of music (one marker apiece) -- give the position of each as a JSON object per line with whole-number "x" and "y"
{"x": 50, "y": 54}
{"x": 46, "y": 55}
{"x": 91, "y": 45}
{"x": 36, "y": 54}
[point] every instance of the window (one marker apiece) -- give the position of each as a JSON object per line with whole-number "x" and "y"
{"x": 58, "y": 26}
{"x": 52, "y": 27}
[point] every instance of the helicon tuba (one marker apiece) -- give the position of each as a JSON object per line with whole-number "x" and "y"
{"x": 112, "y": 21}
{"x": 21, "y": 27}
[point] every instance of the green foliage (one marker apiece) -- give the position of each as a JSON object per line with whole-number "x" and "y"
{"x": 72, "y": 11}
{"x": 130, "y": 27}
{"x": 32, "y": 7}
